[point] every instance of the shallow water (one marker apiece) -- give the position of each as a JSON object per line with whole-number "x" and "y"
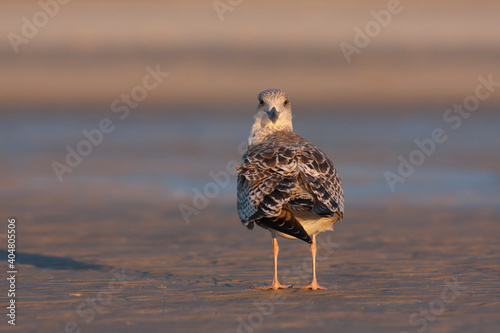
{"x": 176, "y": 154}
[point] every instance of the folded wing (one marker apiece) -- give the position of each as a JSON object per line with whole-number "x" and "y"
{"x": 284, "y": 174}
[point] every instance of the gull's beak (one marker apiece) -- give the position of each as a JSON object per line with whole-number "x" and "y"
{"x": 273, "y": 115}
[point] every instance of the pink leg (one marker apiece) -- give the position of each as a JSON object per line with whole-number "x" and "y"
{"x": 275, "y": 285}
{"x": 314, "y": 284}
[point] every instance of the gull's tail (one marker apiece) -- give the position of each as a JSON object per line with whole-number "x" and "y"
{"x": 285, "y": 223}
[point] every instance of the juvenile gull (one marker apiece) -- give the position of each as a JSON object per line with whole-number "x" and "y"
{"x": 285, "y": 184}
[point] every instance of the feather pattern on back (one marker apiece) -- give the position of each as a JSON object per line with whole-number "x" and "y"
{"x": 284, "y": 174}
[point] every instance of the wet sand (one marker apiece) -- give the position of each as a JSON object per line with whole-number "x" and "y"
{"x": 380, "y": 267}
{"x": 112, "y": 231}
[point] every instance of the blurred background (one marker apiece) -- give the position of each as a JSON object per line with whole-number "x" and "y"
{"x": 64, "y": 68}
{"x": 429, "y": 54}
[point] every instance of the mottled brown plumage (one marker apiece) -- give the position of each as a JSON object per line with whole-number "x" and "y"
{"x": 286, "y": 172}
{"x": 285, "y": 183}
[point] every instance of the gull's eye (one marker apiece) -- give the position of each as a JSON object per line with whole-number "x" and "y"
{"x": 261, "y": 103}
{"x": 285, "y": 103}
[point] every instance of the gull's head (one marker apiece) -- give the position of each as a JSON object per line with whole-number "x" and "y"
{"x": 274, "y": 113}
{"x": 274, "y": 109}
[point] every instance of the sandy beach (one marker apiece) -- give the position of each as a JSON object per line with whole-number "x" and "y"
{"x": 116, "y": 118}
{"x": 108, "y": 249}
{"x": 379, "y": 272}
